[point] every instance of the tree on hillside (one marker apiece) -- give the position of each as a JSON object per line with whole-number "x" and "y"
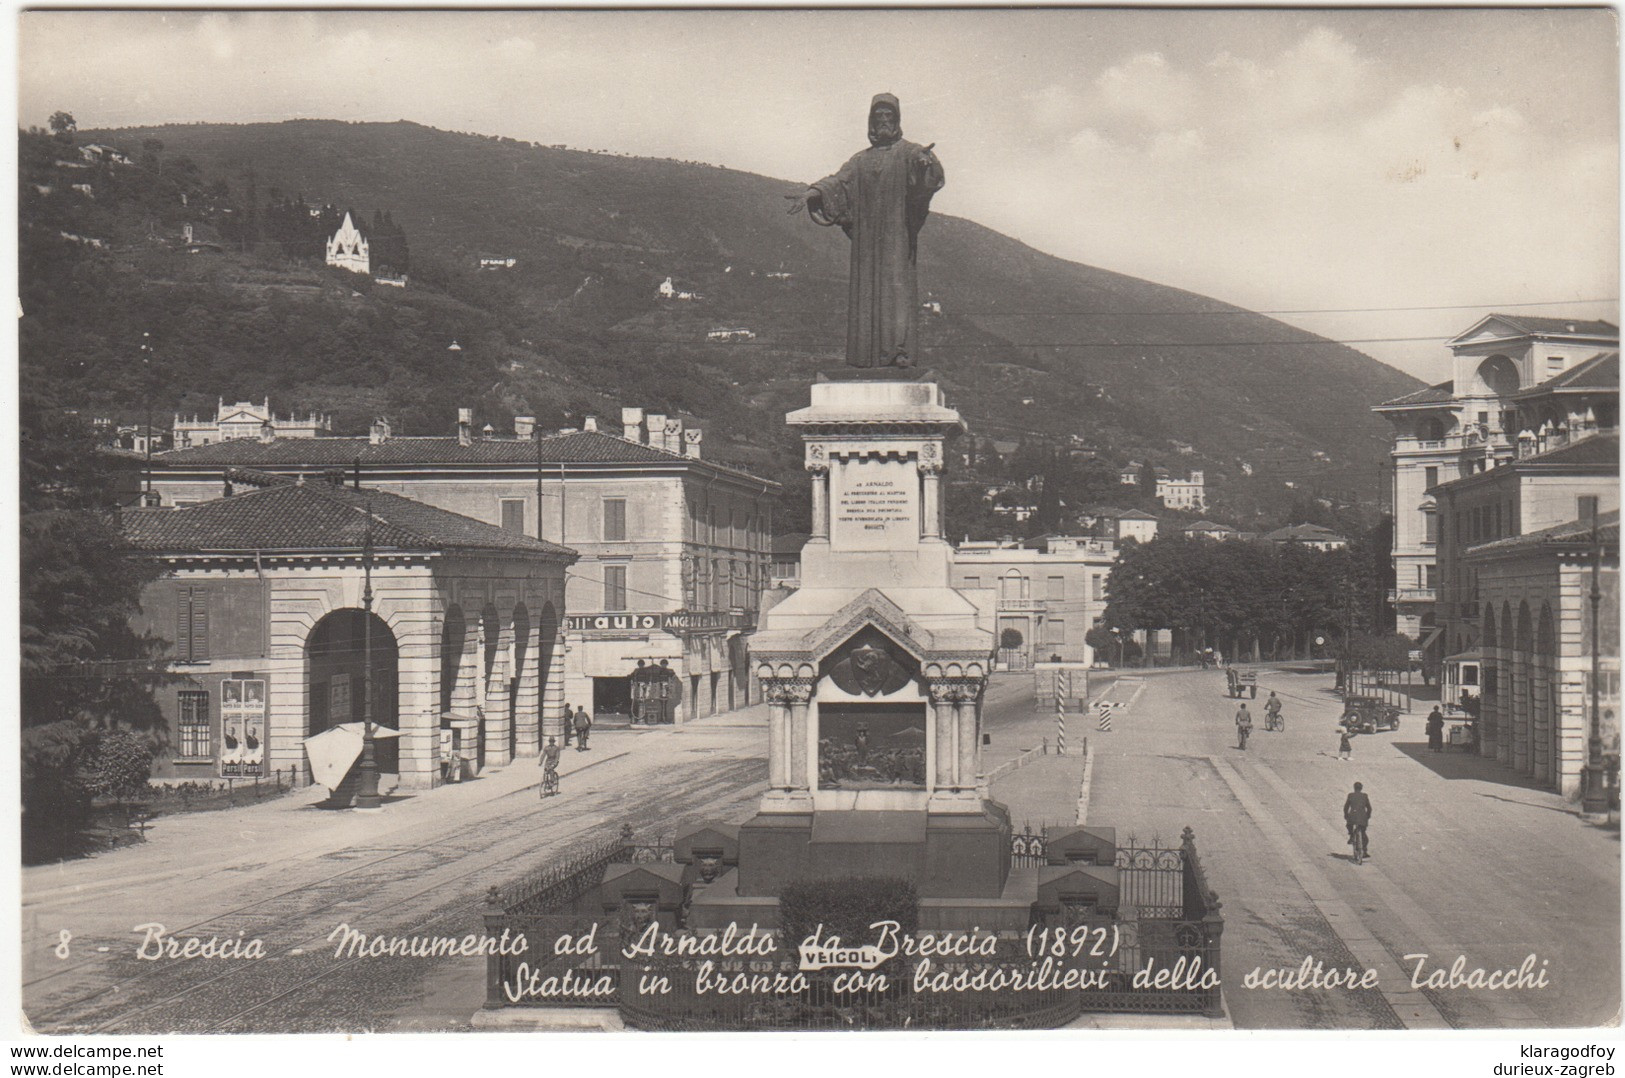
{"x": 80, "y": 586}
{"x": 63, "y": 125}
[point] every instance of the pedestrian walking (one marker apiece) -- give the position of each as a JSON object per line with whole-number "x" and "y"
{"x": 583, "y": 723}
{"x": 1345, "y": 744}
{"x": 1435, "y": 728}
{"x": 569, "y": 721}
{"x": 550, "y": 767}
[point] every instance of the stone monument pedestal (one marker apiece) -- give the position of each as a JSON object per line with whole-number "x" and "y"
{"x": 874, "y": 672}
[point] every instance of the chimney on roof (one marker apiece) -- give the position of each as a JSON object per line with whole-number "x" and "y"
{"x": 267, "y": 431}
{"x": 487, "y": 431}
{"x": 380, "y": 431}
{"x": 590, "y": 423}
{"x": 632, "y": 424}
{"x": 691, "y": 442}
{"x": 656, "y": 424}
{"x": 674, "y": 435}
{"x": 465, "y": 426}
{"x": 524, "y": 427}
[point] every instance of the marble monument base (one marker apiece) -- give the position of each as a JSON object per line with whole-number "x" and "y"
{"x": 1010, "y": 911}
{"x": 945, "y": 855}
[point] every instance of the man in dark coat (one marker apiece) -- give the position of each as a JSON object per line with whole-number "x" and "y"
{"x": 880, "y": 198}
{"x": 1357, "y": 813}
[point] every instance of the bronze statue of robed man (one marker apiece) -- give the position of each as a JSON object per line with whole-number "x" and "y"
{"x": 880, "y": 198}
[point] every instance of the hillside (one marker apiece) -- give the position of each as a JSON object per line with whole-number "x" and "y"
{"x": 1025, "y": 342}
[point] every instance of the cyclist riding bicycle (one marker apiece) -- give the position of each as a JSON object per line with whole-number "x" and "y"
{"x": 1356, "y": 816}
{"x": 1272, "y": 712}
{"x": 550, "y": 767}
{"x": 1244, "y": 725}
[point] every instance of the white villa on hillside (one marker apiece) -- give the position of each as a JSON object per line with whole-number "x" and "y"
{"x": 348, "y": 249}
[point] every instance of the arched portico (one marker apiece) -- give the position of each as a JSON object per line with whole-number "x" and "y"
{"x": 336, "y": 657}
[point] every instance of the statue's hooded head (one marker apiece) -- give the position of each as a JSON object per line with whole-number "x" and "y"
{"x": 885, "y": 120}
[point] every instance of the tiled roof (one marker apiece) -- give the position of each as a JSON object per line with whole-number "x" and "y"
{"x": 1601, "y": 371}
{"x": 1313, "y": 533}
{"x": 1572, "y": 533}
{"x": 1530, "y": 324}
{"x": 577, "y": 447}
{"x": 319, "y": 516}
{"x": 1442, "y": 393}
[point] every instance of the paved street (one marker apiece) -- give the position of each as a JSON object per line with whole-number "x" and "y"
{"x": 288, "y": 873}
{"x": 1466, "y": 860}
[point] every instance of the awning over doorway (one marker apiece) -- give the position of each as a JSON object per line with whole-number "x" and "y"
{"x": 335, "y": 750}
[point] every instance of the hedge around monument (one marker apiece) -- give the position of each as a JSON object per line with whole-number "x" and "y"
{"x": 846, "y": 907}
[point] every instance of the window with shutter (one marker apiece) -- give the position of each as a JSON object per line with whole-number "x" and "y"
{"x": 614, "y": 587}
{"x": 192, "y": 625}
{"x": 200, "y": 625}
{"x": 614, "y": 519}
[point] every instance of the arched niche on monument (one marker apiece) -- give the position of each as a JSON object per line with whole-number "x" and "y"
{"x": 872, "y": 720}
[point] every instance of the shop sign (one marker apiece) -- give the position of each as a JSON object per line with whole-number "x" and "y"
{"x": 699, "y": 621}
{"x": 614, "y": 623}
{"x": 677, "y": 621}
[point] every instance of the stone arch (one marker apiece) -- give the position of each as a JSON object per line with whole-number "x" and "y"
{"x": 336, "y": 661}
{"x": 1525, "y": 639}
{"x": 523, "y": 653}
{"x": 1543, "y": 697}
{"x": 1499, "y": 374}
{"x": 453, "y": 634}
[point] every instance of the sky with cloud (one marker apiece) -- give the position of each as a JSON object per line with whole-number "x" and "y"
{"x": 1354, "y": 165}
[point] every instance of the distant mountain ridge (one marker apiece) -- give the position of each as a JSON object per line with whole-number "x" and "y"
{"x": 1026, "y": 343}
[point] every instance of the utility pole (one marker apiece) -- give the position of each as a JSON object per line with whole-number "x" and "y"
{"x": 366, "y": 797}
{"x": 146, "y": 434}
{"x": 1595, "y": 802}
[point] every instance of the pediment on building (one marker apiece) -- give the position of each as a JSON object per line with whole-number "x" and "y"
{"x": 1489, "y": 328}
{"x": 871, "y": 609}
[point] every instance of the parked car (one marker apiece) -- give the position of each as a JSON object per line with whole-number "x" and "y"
{"x": 1369, "y": 715}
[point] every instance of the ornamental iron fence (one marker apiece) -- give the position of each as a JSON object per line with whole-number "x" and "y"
{"x": 1165, "y": 957}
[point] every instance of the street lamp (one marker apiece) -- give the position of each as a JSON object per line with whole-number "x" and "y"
{"x": 366, "y": 797}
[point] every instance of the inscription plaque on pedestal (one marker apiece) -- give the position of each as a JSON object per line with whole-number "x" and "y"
{"x": 875, "y": 505}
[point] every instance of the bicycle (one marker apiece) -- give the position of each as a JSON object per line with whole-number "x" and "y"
{"x": 1274, "y": 721}
{"x": 1242, "y": 731}
{"x": 550, "y": 782}
{"x": 1357, "y": 841}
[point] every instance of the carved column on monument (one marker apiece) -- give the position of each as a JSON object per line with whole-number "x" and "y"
{"x": 931, "y": 492}
{"x": 953, "y": 706}
{"x": 818, "y": 465}
{"x": 787, "y": 705}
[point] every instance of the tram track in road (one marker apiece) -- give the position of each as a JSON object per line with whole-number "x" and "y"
{"x": 347, "y": 875}
{"x": 120, "y": 1003}
{"x": 430, "y": 922}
